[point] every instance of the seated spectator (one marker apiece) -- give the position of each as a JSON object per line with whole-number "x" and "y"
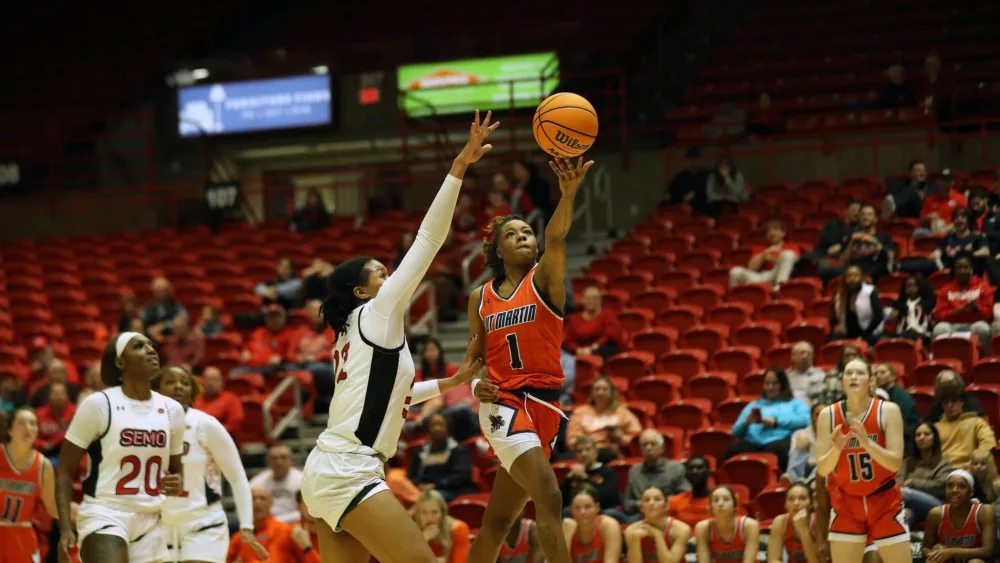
{"x": 961, "y": 240}
{"x": 831, "y": 389}
{"x": 654, "y": 471}
{"x": 588, "y": 470}
{"x": 211, "y": 322}
{"x": 907, "y": 200}
{"x": 214, "y": 400}
{"x": 265, "y": 353}
{"x": 913, "y": 311}
{"x": 691, "y": 506}
{"x": 886, "y": 378}
{"x": 399, "y": 484}
{"x": 803, "y": 374}
{"x": 458, "y": 405}
{"x": 312, "y": 216}
{"x": 92, "y": 378}
{"x": 43, "y": 355}
{"x": 186, "y": 346}
{"x": 519, "y": 201}
{"x": 56, "y": 374}
{"x": 591, "y": 536}
{"x": 530, "y": 181}
{"x": 766, "y": 424}
{"x": 831, "y": 238}
{"x": 923, "y": 474}
{"x": 938, "y": 210}
{"x": 657, "y": 537}
{"x": 301, "y": 545}
{"x": 944, "y": 540}
{"x": 944, "y": 378}
{"x": 856, "y": 310}
{"x": 497, "y": 204}
{"x": 311, "y": 346}
{"x": 983, "y": 467}
{"x": 442, "y": 464}
{"x": 726, "y": 188}
{"x": 897, "y": 92}
{"x": 314, "y": 279}
{"x": 285, "y": 289}
{"x": 269, "y": 531}
{"x": 53, "y": 420}
{"x": 933, "y": 88}
{"x": 865, "y": 248}
{"x": 962, "y": 433}
{"x": 158, "y": 315}
{"x": 593, "y": 330}
{"x": 604, "y": 419}
{"x": 447, "y": 536}
{"x": 283, "y": 480}
{"x": 802, "y": 454}
{"x": 995, "y": 193}
{"x": 965, "y": 305}
{"x": 764, "y": 119}
{"x": 130, "y": 309}
{"x": 983, "y": 217}
{"x": 467, "y": 218}
{"x": 689, "y": 185}
{"x": 772, "y": 264}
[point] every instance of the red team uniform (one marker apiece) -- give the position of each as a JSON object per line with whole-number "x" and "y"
{"x": 523, "y": 339}
{"x": 20, "y": 491}
{"x": 521, "y": 552}
{"x": 592, "y": 552}
{"x": 966, "y": 536}
{"x": 793, "y": 547}
{"x": 720, "y": 549}
{"x": 865, "y": 499}
{"x": 649, "y": 546}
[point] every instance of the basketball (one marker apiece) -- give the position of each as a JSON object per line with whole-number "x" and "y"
{"x": 565, "y": 125}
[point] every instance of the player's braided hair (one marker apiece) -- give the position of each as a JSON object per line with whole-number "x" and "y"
{"x": 340, "y": 299}
{"x": 494, "y": 262}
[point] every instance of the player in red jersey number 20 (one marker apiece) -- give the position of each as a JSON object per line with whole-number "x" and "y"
{"x": 859, "y": 444}
{"x": 516, "y": 322}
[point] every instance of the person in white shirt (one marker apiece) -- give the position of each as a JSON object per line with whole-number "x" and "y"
{"x": 131, "y": 435}
{"x": 343, "y": 483}
{"x": 196, "y": 525}
{"x": 284, "y": 482}
{"x": 802, "y": 373}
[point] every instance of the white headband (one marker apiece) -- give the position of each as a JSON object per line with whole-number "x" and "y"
{"x": 122, "y": 342}
{"x": 965, "y": 475}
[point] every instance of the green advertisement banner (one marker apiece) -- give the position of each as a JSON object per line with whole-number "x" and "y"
{"x": 484, "y": 84}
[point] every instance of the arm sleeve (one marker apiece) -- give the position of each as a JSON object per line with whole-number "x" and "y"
{"x": 223, "y": 451}
{"x": 92, "y": 419}
{"x": 795, "y": 416}
{"x": 739, "y": 187}
{"x": 177, "y": 423}
{"x": 986, "y": 440}
{"x": 985, "y": 301}
{"x": 945, "y": 307}
{"x": 397, "y": 290}
{"x": 711, "y": 190}
{"x": 740, "y": 427}
{"x": 424, "y": 390}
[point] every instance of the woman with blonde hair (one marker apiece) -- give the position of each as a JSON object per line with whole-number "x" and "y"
{"x": 983, "y": 467}
{"x": 605, "y": 419}
{"x": 590, "y": 535}
{"x": 447, "y": 537}
{"x": 711, "y": 535}
{"x": 657, "y": 538}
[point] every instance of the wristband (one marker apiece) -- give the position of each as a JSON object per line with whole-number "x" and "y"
{"x": 473, "y": 384}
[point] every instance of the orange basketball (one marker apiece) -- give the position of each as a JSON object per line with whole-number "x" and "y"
{"x": 565, "y": 124}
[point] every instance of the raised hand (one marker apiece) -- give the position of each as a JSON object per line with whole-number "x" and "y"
{"x": 837, "y": 437}
{"x": 475, "y": 149}
{"x": 859, "y": 432}
{"x": 570, "y": 174}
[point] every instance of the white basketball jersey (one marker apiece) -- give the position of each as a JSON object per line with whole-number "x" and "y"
{"x": 371, "y": 394}
{"x": 129, "y": 459}
{"x": 202, "y": 478}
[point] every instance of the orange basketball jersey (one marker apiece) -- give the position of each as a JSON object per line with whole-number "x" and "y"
{"x": 524, "y": 336}
{"x": 591, "y": 552}
{"x": 794, "y": 551}
{"x": 649, "y": 545}
{"x": 722, "y": 550}
{"x": 857, "y": 473}
{"x": 19, "y": 492}
{"x": 967, "y": 536}
{"x": 521, "y": 552}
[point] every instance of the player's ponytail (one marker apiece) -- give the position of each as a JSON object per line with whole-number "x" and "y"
{"x": 340, "y": 298}
{"x": 494, "y": 262}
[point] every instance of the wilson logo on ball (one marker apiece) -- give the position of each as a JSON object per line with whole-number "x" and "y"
{"x": 570, "y": 142}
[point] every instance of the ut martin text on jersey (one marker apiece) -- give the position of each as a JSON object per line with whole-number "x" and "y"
{"x": 512, "y": 317}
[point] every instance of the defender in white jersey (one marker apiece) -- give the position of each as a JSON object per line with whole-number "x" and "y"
{"x": 195, "y": 523}
{"x": 343, "y": 483}
{"x": 132, "y": 436}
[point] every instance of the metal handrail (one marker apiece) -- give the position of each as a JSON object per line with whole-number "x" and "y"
{"x": 427, "y": 323}
{"x": 294, "y": 416}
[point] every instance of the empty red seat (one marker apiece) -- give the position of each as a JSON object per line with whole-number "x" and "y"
{"x": 733, "y": 315}
{"x": 677, "y": 280}
{"x": 680, "y": 317}
{"x": 632, "y": 284}
{"x": 771, "y": 501}
{"x": 469, "y": 509}
{"x": 635, "y": 320}
{"x": 752, "y": 470}
{"x": 986, "y": 372}
{"x": 801, "y": 290}
{"x": 710, "y": 338}
{"x": 712, "y": 387}
{"x": 686, "y": 363}
{"x": 706, "y": 297}
{"x": 656, "y": 299}
{"x": 629, "y": 365}
{"x": 927, "y": 371}
{"x": 812, "y": 331}
{"x": 656, "y": 264}
{"x": 965, "y": 350}
{"x": 903, "y": 350}
{"x": 658, "y": 388}
{"x": 761, "y": 335}
{"x": 782, "y": 311}
{"x": 753, "y": 294}
{"x": 711, "y": 441}
{"x": 609, "y": 266}
{"x": 689, "y": 414}
{"x": 740, "y": 360}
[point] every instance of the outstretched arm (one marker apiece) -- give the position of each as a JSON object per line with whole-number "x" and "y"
{"x": 550, "y": 277}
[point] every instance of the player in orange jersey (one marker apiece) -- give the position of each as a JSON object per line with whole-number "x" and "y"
{"x": 727, "y": 537}
{"x": 657, "y": 538}
{"x": 859, "y": 444}
{"x": 962, "y": 530}
{"x": 26, "y": 477}
{"x": 792, "y": 536}
{"x": 515, "y": 325}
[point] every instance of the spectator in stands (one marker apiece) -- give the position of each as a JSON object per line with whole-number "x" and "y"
{"x": 689, "y": 185}
{"x": 979, "y": 205}
{"x": 946, "y": 377}
{"x": 961, "y": 239}
{"x": 983, "y": 467}
{"x": 518, "y": 200}
{"x": 726, "y": 188}
{"x": 92, "y": 378}
{"x": 864, "y": 247}
{"x": 692, "y": 506}
{"x": 43, "y": 356}
{"x": 130, "y": 310}
{"x": 301, "y": 545}
{"x": 314, "y": 279}
{"x": 312, "y": 216}
{"x": 283, "y": 481}
{"x": 923, "y": 473}
{"x": 442, "y": 464}
{"x": 158, "y": 315}
{"x": 269, "y": 531}
{"x": 995, "y": 193}
{"x": 764, "y": 119}
{"x": 898, "y": 92}
{"x": 214, "y": 400}
{"x": 447, "y": 536}
{"x": 907, "y": 200}
{"x": 530, "y": 181}
{"x": 285, "y": 289}
{"x": 402, "y": 246}
{"x": 466, "y": 220}
{"x": 497, "y": 204}
{"x": 831, "y": 389}
{"x": 772, "y": 264}
{"x": 802, "y": 454}
{"x": 395, "y": 478}
{"x": 856, "y": 310}
{"x": 311, "y": 345}
{"x": 458, "y": 405}
{"x": 965, "y": 304}
{"x": 211, "y": 322}
{"x": 913, "y": 310}
{"x": 831, "y": 238}
{"x": 962, "y": 432}
{"x": 654, "y": 471}
{"x": 186, "y": 346}
{"x": 887, "y": 379}
{"x": 56, "y": 374}
{"x": 53, "y": 420}
{"x": 766, "y": 424}
{"x": 589, "y": 470}
{"x": 269, "y": 344}
{"x": 938, "y": 211}
{"x": 802, "y": 375}
{"x": 593, "y": 330}
{"x": 604, "y": 419}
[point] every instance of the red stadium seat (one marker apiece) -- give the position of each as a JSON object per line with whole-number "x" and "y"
{"x": 629, "y": 365}
{"x": 710, "y": 338}
{"x": 785, "y": 312}
{"x": 656, "y": 300}
{"x": 657, "y": 340}
{"x": 622, "y": 467}
{"x": 684, "y": 362}
{"x": 680, "y": 317}
{"x": 740, "y": 360}
{"x": 673, "y": 440}
{"x": 706, "y": 297}
{"x": 632, "y": 284}
{"x": 753, "y": 294}
{"x": 965, "y": 350}
{"x": 927, "y": 371}
{"x": 761, "y": 335}
{"x": 712, "y": 387}
{"x": 633, "y": 321}
{"x": 689, "y": 414}
{"x": 733, "y": 315}
{"x": 771, "y": 501}
{"x": 656, "y": 264}
{"x": 660, "y": 389}
{"x": 812, "y": 331}
{"x": 711, "y": 441}
{"x": 903, "y": 350}
{"x": 986, "y": 372}
{"x": 801, "y": 290}
{"x": 469, "y": 509}
{"x": 752, "y": 470}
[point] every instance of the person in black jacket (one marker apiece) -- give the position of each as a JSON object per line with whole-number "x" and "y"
{"x": 690, "y": 184}
{"x": 913, "y": 310}
{"x": 442, "y": 463}
{"x": 591, "y": 471}
{"x": 831, "y": 238}
{"x": 856, "y": 310}
{"x": 907, "y": 199}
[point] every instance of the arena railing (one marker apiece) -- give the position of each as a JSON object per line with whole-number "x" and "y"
{"x": 293, "y": 419}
